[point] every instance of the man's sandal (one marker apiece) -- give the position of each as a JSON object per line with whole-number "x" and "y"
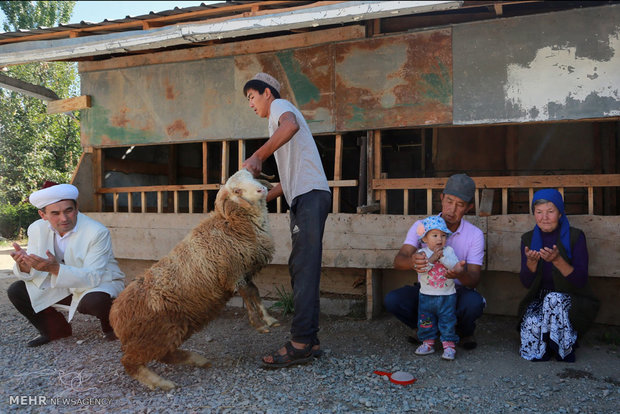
{"x": 293, "y": 356}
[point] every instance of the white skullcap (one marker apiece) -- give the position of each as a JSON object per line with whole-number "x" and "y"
{"x": 53, "y": 194}
{"x": 268, "y": 79}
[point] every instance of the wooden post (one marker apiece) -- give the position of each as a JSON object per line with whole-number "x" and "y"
{"x": 337, "y": 172}
{"x": 159, "y": 202}
{"x": 176, "y": 201}
{"x": 205, "y": 194}
{"x": 143, "y": 201}
{"x": 172, "y": 172}
{"x": 225, "y": 157}
{"x": 504, "y": 201}
{"x": 429, "y": 201}
{"x": 129, "y": 203}
{"x": 405, "y": 202}
{"x": 115, "y": 202}
{"x": 369, "y": 167}
{"x": 376, "y": 162}
{"x": 98, "y": 171}
{"x": 241, "y": 153}
{"x": 373, "y": 293}
{"x": 190, "y": 198}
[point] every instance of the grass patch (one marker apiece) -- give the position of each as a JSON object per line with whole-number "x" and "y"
{"x": 285, "y": 302}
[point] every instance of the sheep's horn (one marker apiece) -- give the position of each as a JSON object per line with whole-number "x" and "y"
{"x": 266, "y": 177}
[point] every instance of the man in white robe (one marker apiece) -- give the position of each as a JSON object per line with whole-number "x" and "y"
{"x": 68, "y": 261}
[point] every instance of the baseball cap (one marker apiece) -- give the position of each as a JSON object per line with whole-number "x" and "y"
{"x": 461, "y": 186}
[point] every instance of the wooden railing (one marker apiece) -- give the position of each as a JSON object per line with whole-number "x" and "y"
{"x": 177, "y": 189}
{"x": 532, "y": 183}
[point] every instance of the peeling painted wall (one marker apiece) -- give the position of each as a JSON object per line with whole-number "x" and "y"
{"x": 553, "y": 66}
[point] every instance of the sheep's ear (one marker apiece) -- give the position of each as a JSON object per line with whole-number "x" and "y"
{"x": 220, "y": 200}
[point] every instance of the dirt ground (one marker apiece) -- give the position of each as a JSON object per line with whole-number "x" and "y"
{"x": 492, "y": 376}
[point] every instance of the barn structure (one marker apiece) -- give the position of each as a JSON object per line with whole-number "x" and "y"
{"x": 520, "y": 95}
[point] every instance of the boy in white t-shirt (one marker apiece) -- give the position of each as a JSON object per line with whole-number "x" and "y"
{"x": 304, "y": 186}
{"x": 437, "y": 302}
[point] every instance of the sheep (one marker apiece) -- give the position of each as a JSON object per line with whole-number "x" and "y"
{"x": 185, "y": 290}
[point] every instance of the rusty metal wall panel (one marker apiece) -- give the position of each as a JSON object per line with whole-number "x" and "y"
{"x": 394, "y": 81}
{"x": 165, "y": 103}
{"x": 306, "y": 78}
{"x": 547, "y": 67}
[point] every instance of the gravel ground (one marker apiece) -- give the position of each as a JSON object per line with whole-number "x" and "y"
{"x": 84, "y": 373}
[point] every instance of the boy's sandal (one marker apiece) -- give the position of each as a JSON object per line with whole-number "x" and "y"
{"x": 293, "y": 356}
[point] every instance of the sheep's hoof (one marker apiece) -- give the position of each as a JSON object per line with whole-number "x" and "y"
{"x": 152, "y": 380}
{"x": 271, "y": 321}
{"x": 198, "y": 360}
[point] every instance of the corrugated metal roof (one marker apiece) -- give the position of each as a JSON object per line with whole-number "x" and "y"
{"x": 185, "y": 14}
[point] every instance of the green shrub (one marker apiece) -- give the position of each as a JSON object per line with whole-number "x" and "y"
{"x": 15, "y": 219}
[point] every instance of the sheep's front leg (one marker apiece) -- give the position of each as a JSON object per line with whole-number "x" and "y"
{"x": 258, "y": 315}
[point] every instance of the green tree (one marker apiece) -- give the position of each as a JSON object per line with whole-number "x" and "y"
{"x": 34, "y": 146}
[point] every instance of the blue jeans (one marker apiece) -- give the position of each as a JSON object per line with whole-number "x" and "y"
{"x": 403, "y": 303}
{"x": 437, "y": 313}
{"x": 308, "y": 214}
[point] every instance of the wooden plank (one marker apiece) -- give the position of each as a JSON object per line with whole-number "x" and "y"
{"x": 590, "y": 200}
{"x": 486, "y": 202}
{"x": 504, "y": 201}
{"x": 143, "y": 201}
{"x": 26, "y": 88}
{"x": 190, "y": 196}
{"x": 176, "y": 201}
{"x": 160, "y": 203}
{"x": 271, "y": 44}
{"x": 477, "y": 201}
{"x": 68, "y": 105}
{"x": 115, "y": 202}
{"x": 534, "y": 181}
{"x": 149, "y": 188}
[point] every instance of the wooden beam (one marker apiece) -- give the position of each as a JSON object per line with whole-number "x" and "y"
{"x": 225, "y": 158}
{"x": 26, "y": 88}
{"x": 534, "y": 181}
{"x": 228, "y": 49}
{"x": 68, "y": 105}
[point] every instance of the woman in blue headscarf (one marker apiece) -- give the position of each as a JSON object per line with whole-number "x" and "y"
{"x": 559, "y": 304}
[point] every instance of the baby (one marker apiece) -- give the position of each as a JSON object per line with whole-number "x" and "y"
{"x": 437, "y": 304}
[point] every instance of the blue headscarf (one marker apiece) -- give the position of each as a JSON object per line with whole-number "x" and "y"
{"x": 555, "y": 197}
